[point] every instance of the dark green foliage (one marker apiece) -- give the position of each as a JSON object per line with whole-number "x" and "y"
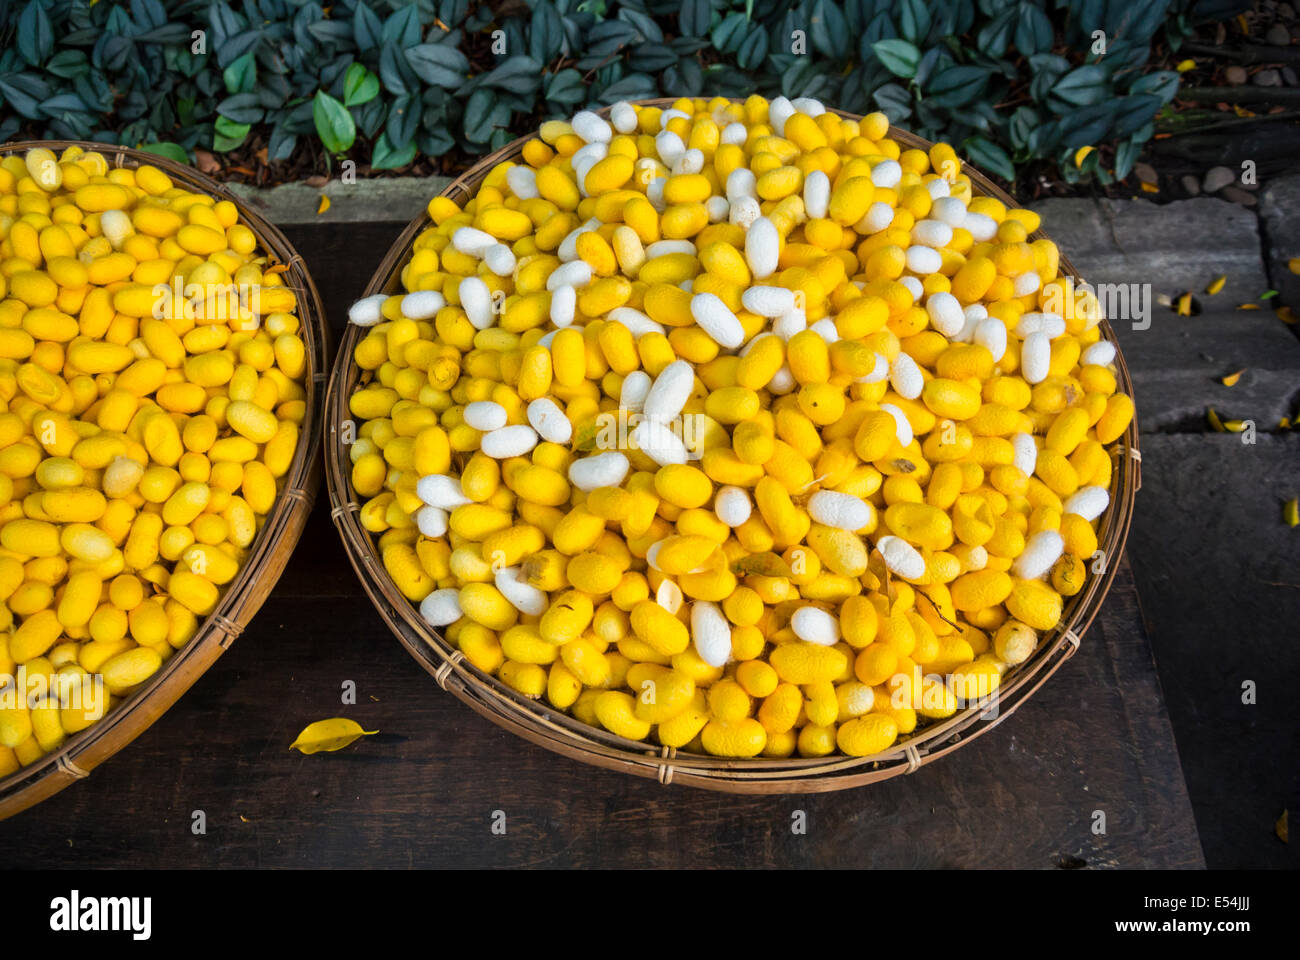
{"x": 1007, "y": 80}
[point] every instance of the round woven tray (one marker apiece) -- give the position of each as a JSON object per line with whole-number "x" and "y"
{"x": 540, "y": 723}
{"x": 269, "y": 553}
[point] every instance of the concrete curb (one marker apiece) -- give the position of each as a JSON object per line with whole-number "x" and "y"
{"x": 392, "y": 199}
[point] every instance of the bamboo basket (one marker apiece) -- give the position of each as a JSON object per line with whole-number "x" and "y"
{"x": 538, "y": 722}
{"x": 269, "y": 552}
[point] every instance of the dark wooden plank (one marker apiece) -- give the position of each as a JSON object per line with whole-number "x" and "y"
{"x": 422, "y": 793}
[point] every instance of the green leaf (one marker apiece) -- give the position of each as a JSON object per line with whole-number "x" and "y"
{"x": 1034, "y": 33}
{"x": 68, "y": 64}
{"x": 228, "y": 135}
{"x": 913, "y": 20}
{"x": 566, "y": 86}
{"x": 955, "y": 86}
{"x": 1021, "y": 127}
{"x": 403, "y": 26}
{"x": 1161, "y": 83}
{"x": 695, "y": 18}
{"x": 172, "y": 151}
{"x": 241, "y": 108}
{"x": 994, "y": 36}
{"x": 366, "y": 27}
{"x": 436, "y": 142}
{"x": 515, "y": 74}
{"x": 241, "y": 75}
{"x": 35, "y": 35}
{"x": 482, "y": 115}
{"x": 359, "y": 86}
{"x": 281, "y": 144}
{"x": 1125, "y": 156}
{"x": 989, "y": 157}
{"x": 385, "y": 157}
{"x": 754, "y": 50}
{"x": 546, "y": 33}
{"x": 404, "y": 118}
{"x": 438, "y": 64}
{"x": 653, "y": 57}
{"x": 730, "y": 32}
{"x": 894, "y": 101}
{"x": 334, "y": 125}
{"x": 898, "y": 56}
{"x": 827, "y": 29}
{"x": 1083, "y": 86}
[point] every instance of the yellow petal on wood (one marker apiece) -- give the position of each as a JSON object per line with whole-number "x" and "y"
{"x": 1216, "y": 284}
{"x": 1231, "y": 379}
{"x": 1185, "y": 305}
{"x": 333, "y": 734}
{"x": 1291, "y": 512}
{"x": 1213, "y": 417}
{"x": 1234, "y": 426}
{"x": 323, "y": 205}
{"x": 1286, "y": 314}
{"x": 1080, "y": 155}
{"x": 1293, "y": 264}
{"x": 1248, "y": 306}
{"x": 1280, "y": 828}
{"x": 1149, "y": 187}
{"x": 1185, "y": 65}
{"x": 1284, "y": 423}
{"x": 1242, "y": 111}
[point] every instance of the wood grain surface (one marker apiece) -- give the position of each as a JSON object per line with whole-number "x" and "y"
{"x": 1086, "y": 774}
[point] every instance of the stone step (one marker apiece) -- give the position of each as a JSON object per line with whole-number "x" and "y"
{"x": 1176, "y": 362}
{"x": 1220, "y": 594}
{"x": 1279, "y": 207}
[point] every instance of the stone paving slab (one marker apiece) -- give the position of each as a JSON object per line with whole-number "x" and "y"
{"x": 1279, "y": 207}
{"x": 385, "y": 199}
{"x": 1218, "y": 576}
{"x": 1176, "y": 362}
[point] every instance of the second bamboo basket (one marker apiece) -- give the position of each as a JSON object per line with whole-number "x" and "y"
{"x": 541, "y": 724}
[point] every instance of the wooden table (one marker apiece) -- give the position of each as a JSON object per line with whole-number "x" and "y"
{"x": 1094, "y": 743}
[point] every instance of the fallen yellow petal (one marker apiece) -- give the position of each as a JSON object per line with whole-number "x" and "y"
{"x": 1231, "y": 379}
{"x": 1080, "y": 155}
{"x": 1293, "y": 264}
{"x": 324, "y": 205}
{"x": 1234, "y": 426}
{"x": 1212, "y": 416}
{"x": 1248, "y": 306}
{"x": 1185, "y": 305}
{"x": 1286, "y": 314}
{"x": 1149, "y": 187}
{"x": 333, "y": 734}
{"x": 1242, "y": 111}
{"x": 1284, "y": 423}
{"x": 1185, "y": 65}
{"x": 1280, "y": 827}
{"x": 1216, "y": 284}
{"x": 1291, "y": 512}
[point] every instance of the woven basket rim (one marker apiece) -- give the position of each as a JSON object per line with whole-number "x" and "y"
{"x": 540, "y": 723}
{"x": 270, "y": 550}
